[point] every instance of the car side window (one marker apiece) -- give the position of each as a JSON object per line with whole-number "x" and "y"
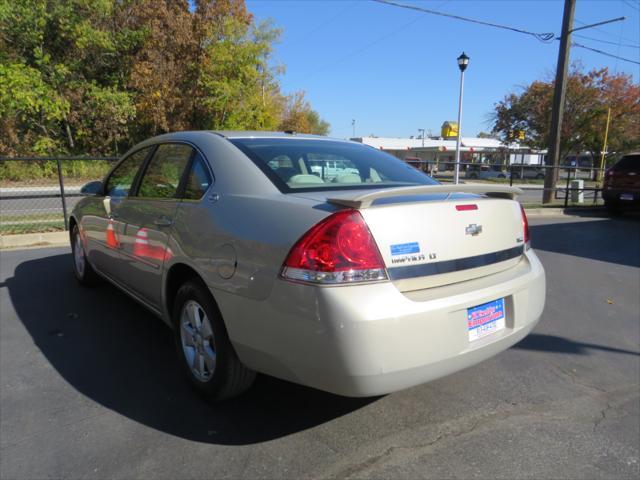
{"x": 199, "y": 179}
{"x": 162, "y": 176}
{"x": 121, "y": 179}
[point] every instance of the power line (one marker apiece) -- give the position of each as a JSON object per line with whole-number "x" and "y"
{"x": 365, "y": 47}
{"x": 606, "y": 41}
{"x": 629, "y": 4}
{"x": 368, "y": 45}
{"x": 331, "y": 19}
{"x": 543, "y": 37}
{"x": 574, "y": 44}
{"x": 606, "y": 32}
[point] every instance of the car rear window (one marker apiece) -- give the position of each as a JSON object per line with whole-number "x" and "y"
{"x": 316, "y": 165}
{"x": 628, "y": 162}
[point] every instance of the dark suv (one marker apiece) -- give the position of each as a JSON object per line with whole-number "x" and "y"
{"x": 621, "y": 187}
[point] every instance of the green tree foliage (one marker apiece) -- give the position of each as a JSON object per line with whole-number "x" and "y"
{"x": 589, "y": 95}
{"x": 96, "y": 76}
{"x": 299, "y": 117}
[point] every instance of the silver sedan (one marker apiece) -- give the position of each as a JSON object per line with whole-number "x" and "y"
{"x": 264, "y": 256}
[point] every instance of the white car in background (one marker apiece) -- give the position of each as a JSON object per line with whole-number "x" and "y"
{"x": 484, "y": 172}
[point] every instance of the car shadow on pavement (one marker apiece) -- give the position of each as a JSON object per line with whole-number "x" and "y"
{"x": 121, "y": 356}
{"x": 554, "y": 344}
{"x": 613, "y": 240}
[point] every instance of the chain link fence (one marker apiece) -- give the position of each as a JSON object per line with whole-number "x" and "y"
{"x": 37, "y": 193}
{"x": 575, "y": 185}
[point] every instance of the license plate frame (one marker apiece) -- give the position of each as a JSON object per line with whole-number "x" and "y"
{"x": 486, "y": 319}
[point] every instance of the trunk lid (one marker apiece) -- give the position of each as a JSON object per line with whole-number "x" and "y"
{"x": 430, "y": 239}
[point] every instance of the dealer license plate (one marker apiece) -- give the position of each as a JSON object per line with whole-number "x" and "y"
{"x": 485, "y": 319}
{"x": 626, "y": 196}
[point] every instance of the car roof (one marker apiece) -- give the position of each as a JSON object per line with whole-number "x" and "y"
{"x": 189, "y": 135}
{"x": 232, "y": 134}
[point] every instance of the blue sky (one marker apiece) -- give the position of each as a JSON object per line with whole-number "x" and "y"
{"x": 394, "y": 70}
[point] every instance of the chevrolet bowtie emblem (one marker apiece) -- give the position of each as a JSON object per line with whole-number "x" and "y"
{"x": 473, "y": 229}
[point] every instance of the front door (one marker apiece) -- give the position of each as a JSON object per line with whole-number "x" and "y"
{"x": 100, "y": 223}
{"x": 146, "y": 220}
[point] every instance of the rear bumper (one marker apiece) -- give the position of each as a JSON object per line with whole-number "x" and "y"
{"x": 373, "y": 339}
{"x": 621, "y": 195}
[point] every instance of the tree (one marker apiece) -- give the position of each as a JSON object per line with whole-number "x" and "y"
{"x": 61, "y": 69}
{"x": 299, "y": 117}
{"x": 96, "y": 76}
{"x": 589, "y": 96}
{"x": 486, "y": 135}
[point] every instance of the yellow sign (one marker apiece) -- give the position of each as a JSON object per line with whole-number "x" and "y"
{"x": 449, "y": 129}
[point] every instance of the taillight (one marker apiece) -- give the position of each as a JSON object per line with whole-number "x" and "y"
{"x": 525, "y": 227}
{"x": 339, "y": 249}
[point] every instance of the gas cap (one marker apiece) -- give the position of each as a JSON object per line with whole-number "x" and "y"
{"x": 226, "y": 260}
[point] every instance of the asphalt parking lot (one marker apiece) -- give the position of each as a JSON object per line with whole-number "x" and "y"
{"x": 89, "y": 387}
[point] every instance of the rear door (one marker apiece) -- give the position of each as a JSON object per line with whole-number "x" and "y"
{"x": 148, "y": 216}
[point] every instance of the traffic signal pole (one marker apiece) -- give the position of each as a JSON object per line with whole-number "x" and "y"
{"x": 553, "y": 153}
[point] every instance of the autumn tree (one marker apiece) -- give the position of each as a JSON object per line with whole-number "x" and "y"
{"x": 299, "y": 117}
{"x": 588, "y": 97}
{"x": 96, "y": 76}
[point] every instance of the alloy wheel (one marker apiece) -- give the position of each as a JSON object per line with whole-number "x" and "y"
{"x": 78, "y": 255}
{"x": 196, "y": 337}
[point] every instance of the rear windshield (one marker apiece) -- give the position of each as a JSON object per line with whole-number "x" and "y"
{"x": 317, "y": 165}
{"x": 628, "y": 162}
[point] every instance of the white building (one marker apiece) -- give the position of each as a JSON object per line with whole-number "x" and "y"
{"x": 443, "y": 150}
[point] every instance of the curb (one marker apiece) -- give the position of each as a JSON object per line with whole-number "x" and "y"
{"x": 48, "y": 239}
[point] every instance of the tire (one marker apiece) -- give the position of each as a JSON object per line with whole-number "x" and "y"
{"x": 540, "y": 176}
{"x": 203, "y": 347}
{"x": 82, "y": 269}
{"x": 473, "y": 175}
{"x": 502, "y": 176}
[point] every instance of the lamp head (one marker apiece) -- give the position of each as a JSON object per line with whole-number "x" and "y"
{"x": 463, "y": 61}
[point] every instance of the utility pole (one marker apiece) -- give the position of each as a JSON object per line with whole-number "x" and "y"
{"x": 604, "y": 146}
{"x": 353, "y": 126}
{"x": 553, "y": 153}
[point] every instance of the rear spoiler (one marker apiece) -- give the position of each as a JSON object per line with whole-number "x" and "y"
{"x": 366, "y": 199}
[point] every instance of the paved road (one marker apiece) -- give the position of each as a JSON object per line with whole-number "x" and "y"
{"x": 46, "y": 203}
{"x": 89, "y": 388}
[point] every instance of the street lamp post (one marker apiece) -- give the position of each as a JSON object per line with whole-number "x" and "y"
{"x": 463, "y": 61}
{"x": 422, "y": 133}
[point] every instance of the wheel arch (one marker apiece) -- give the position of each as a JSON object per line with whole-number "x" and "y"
{"x": 177, "y": 275}
{"x": 72, "y": 223}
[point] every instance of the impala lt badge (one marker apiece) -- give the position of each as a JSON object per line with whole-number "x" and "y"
{"x": 473, "y": 229}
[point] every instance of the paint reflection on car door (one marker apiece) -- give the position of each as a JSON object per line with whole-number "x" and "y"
{"x": 100, "y": 224}
{"x": 147, "y": 218}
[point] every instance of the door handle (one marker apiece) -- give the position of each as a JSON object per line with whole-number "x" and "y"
{"x": 163, "y": 222}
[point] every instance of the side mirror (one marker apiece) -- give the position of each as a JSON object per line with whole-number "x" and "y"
{"x": 92, "y": 188}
